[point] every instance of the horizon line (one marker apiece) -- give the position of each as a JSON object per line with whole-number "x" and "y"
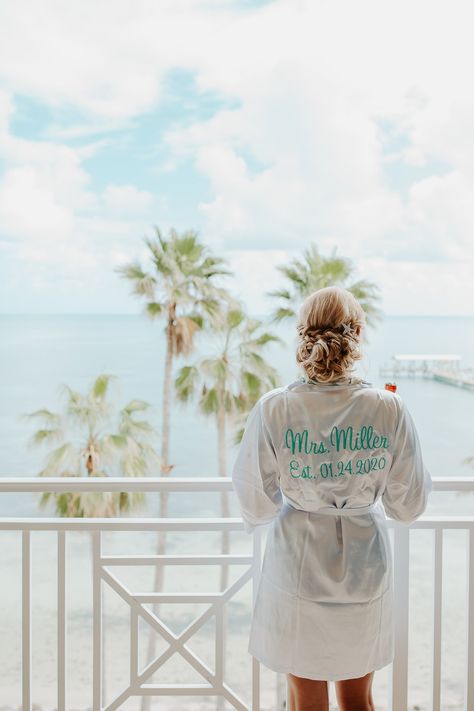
{"x": 69, "y": 313}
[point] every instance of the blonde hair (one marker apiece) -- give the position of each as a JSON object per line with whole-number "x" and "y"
{"x": 328, "y": 344}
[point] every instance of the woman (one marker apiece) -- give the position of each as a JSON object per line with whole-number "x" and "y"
{"x": 318, "y": 458}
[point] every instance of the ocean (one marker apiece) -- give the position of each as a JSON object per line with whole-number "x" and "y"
{"x": 40, "y": 353}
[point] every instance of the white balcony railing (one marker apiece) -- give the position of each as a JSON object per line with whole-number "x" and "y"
{"x": 214, "y": 681}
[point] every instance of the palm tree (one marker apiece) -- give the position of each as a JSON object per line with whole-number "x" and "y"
{"x": 180, "y": 288}
{"x": 314, "y": 272}
{"x": 228, "y": 382}
{"x": 90, "y": 438}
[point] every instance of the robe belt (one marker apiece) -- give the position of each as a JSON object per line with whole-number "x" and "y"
{"x": 342, "y": 511}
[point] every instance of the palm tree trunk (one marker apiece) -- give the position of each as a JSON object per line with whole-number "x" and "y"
{"x": 165, "y": 470}
{"x": 225, "y": 547}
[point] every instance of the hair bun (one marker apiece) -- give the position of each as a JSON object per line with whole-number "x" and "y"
{"x": 328, "y": 341}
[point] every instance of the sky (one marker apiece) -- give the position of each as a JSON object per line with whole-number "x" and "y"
{"x": 264, "y": 126}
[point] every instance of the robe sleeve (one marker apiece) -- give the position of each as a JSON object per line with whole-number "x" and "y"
{"x": 409, "y": 483}
{"x": 255, "y": 474}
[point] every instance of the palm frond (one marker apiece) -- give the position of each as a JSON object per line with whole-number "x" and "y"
{"x": 101, "y": 385}
{"x": 198, "y": 320}
{"x": 281, "y": 314}
{"x": 154, "y": 309}
{"x": 144, "y": 284}
{"x": 185, "y": 382}
{"x": 296, "y": 273}
{"x": 214, "y": 266}
{"x": 183, "y": 335}
{"x": 62, "y": 460}
{"x": 263, "y": 339}
{"x": 235, "y": 317}
{"x": 136, "y": 406}
{"x": 209, "y": 402}
{"x": 45, "y": 415}
{"x": 251, "y": 382}
{"x": 45, "y": 436}
{"x": 281, "y": 294}
{"x": 132, "y": 271}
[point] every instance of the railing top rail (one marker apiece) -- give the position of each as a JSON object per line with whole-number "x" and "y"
{"x": 147, "y": 484}
{"x": 192, "y": 524}
{"x": 150, "y": 484}
{"x": 122, "y": 524}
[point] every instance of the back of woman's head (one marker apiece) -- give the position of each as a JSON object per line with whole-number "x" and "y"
{"x": 329, "y": 328}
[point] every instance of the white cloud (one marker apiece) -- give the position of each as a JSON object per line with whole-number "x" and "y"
{"x": 127, "y": 198}
{"x": 301, "y": 156}
{"x": 309, "y": 121}
{"x": 442, "y": 209}
{"x": 255, "y": 274}
{"x": 29, "y": 209}
{"x": 6, "y": 110}
{"x": 436, "y": 288}
{"x": 59, "y": 229}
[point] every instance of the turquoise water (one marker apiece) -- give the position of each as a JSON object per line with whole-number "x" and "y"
{"x": 39, "y": 353}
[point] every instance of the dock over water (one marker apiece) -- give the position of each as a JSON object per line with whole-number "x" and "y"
{"x": 445, "y": 368}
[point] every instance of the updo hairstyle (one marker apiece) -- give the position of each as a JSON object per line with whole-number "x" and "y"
{"x": 328, "y": 344}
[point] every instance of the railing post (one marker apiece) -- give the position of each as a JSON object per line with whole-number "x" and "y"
{"x": 399, "y": 678}
{"x": 437, "y": 618}
{"x": 97, "y": 622}
{"x": 61, "y": 621}
{"x": 469, "y": 680}
{"x": 26, "y": 621}
{"x": 256, "y": 567}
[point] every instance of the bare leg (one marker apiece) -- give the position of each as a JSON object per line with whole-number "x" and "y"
{"x": 307, "y": 694}
{"x": 355, "y": 694}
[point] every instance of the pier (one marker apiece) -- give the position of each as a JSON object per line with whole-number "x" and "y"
{"x": 445, "y": 368}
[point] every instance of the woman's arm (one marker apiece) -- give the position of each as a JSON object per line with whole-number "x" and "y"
{"x": 409, "y": 483}
{"x": 255, "y": 474}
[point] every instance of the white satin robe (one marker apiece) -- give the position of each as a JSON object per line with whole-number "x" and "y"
{"x": 317, "y": 461}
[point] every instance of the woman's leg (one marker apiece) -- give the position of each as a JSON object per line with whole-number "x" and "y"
{"x": 307, "y": 694}
{"x": 355, "y": 694}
